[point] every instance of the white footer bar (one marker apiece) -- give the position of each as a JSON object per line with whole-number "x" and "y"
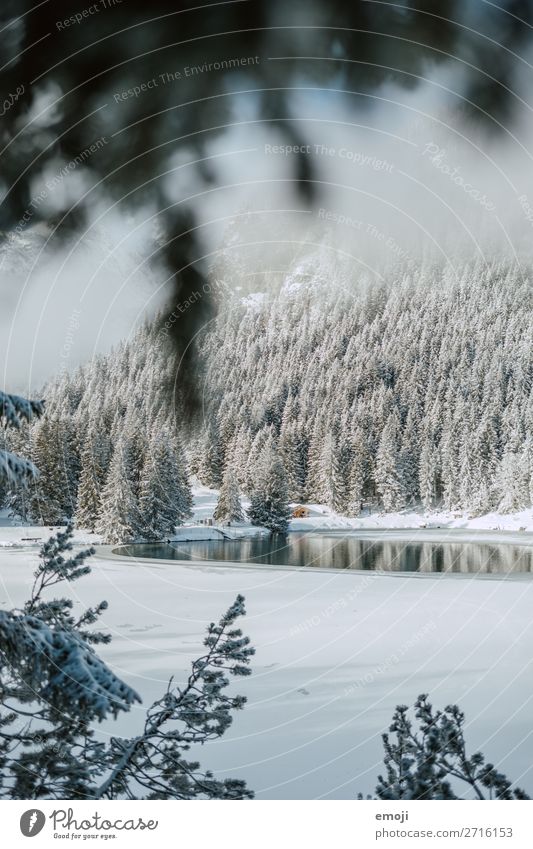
{"x": 269, "y": 824}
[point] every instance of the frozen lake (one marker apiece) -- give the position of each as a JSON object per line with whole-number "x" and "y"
{"x": 343, "y": 551}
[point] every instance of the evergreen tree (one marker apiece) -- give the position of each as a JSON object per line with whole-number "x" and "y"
{"x": 94, "y": 463}
{"x": 342, "y": 461}
{"x": 317, "y": 482}
{"x": 389, "y": 481}
{"x": 428, "y": 475}
{"x": 212, "y": 461}
{"x": 357, "y": 474}
{"x": 293, "y": 451}
{"x": 89, "y": 492}
{"x": 331, "y": 470}
{"x": 229, "y": 508}
{"x": 269, "y": 504}
{"x": 133, "y": 428}
{"x": 263, "y": 441}
{"x": 511, "y": 482}
{"x": 159, "y": 501}
{"x": 184, "y": 496}
{"x": 242, "y": 446}
{"x": 119, "y": 514}
{"x": 50, "y": 498}
{"x": 409, "y": 458}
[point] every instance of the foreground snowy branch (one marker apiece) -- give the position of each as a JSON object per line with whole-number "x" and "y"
{"x": 53, "y": 687}
{"x": 432, "y": 763}
{"x": 15, "y": 410}
{"x": 195, "y": 714}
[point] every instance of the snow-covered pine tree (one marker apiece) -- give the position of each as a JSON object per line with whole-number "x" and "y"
{"x": 119, "y": 512}
{"x": 184, "y": 496}
{"x": 331, "y": 470}
{"x": 388, "y": 472}
{"x": 527, "y": 467}
{"x": 242, "y": 445}
{"x": 49, "y": 496}
{"x": 294, "y": 448}
{"x": 342, "y": 459}
{"x": 357, "y": 473}
{"x": 293, "y": 452}
{"x": 89, "y": 492}
{"x": 453, "y": 454}
{"x": 160, "y": 489}
{"x": 17, "y": 496}
{"x": 94, "y": 464}
{"x": 511, "y": 482}
{"x": 317, "y": 484}
{"x": 212, "y": 460}
{"x": 133, "y": 428}
{"x": 264, "y": 436}
{"x": 269, "y": 503}
{"x": 428, "y": 473}
{"x": 409, "y": 458}
{"x": 229, "y": 508}
{"x": 68, "y": 438}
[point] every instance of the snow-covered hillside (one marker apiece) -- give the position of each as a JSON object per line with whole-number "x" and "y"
{"x": 414, "y": 391}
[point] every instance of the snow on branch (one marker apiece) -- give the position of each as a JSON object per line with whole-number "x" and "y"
{"x": 61, "y": 668}
{"x": 15, "y": 469}
{"x": 14, "y": 409}
{"x": 431, "y": 762}
{"x": 192, "y": 715}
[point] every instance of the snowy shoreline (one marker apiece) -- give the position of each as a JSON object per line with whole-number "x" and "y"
{"x": 481, "y": 536}
{"x": 32, "y": 537}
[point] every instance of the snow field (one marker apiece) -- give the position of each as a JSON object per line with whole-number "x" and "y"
{"x": 335, "y": 654}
